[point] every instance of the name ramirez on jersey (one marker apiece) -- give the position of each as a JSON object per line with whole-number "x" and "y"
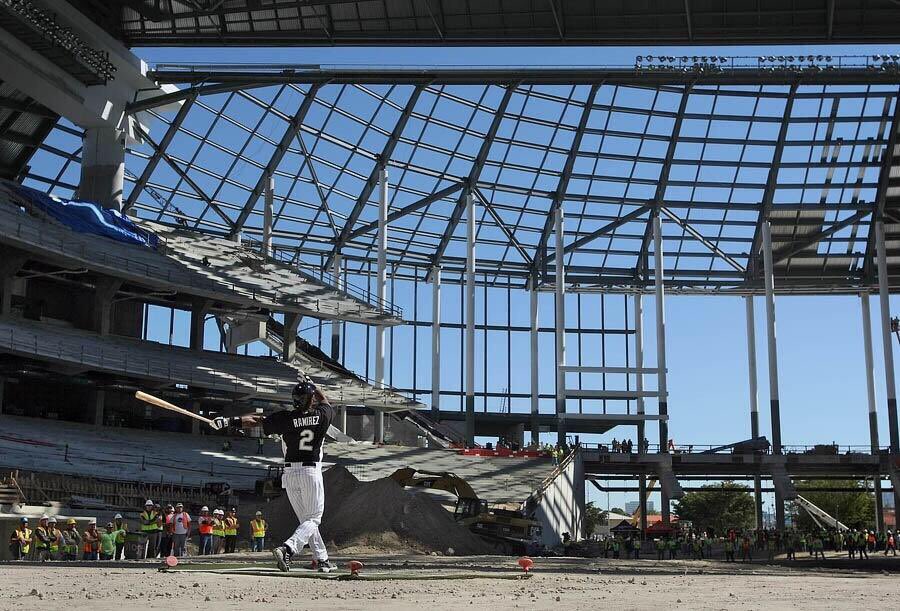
{"x": 302, "y": 433}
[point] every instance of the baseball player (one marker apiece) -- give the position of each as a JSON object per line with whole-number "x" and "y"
{"x": 302, "y": 431}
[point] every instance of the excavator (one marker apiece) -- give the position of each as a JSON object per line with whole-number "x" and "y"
{"x": 499, "y": 523}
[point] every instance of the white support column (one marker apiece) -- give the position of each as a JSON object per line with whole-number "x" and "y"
{"x": 887, "y": 341}
{"x": 559, "y": 231}
{"x": 641, "y": 408}
{"x": 436, "y": 340}
{"x": 662, "y": 383}
{"x": 336, "y": 324}
{"x": 381, "y": 288}
{"x": 269, "y": 204}
{"x": 872, "y": 401}
{"x": 660, "y": 333}
{"x": 535, "y": 387}
{"x": 103, "y": 167}
{"x": 769, "y": 274}
{"x": 470, "y": 319}
{"x": 754, "y": 399}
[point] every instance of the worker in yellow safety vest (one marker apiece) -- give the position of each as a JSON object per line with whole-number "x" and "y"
{"x": 231, "y": 530}
{"x": 150, "y": 527}
{"x": 218, "y": 532}
{"x": 55, "y": 538}
{"x": 121, "y": 527}
{"x": 40, "y": 540}
{"x": 71, "y": 539}
{"x": 20, "y": 541}
{"x": 258, "y": 528}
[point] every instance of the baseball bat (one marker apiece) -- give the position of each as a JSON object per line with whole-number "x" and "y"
{"x": 142, "y": 396}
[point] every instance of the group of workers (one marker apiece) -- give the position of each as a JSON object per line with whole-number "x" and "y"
{"x": 165, "y": 533}
{"x": 736, "y": 544}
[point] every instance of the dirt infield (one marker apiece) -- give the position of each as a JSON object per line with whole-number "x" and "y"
{"x": 574, "y": 583}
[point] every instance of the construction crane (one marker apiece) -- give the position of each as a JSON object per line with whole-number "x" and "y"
{"x": 819, "y": 515}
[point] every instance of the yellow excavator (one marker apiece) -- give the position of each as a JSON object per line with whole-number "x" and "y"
{"x": 500, "y": 523}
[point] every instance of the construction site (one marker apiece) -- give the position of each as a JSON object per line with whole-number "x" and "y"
{"x": 456, "y": 232}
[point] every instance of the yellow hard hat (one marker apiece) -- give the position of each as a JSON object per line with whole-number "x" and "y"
{"x": 71, "y": 521}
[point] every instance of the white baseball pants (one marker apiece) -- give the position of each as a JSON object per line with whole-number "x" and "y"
{"x": 306, "y": 491}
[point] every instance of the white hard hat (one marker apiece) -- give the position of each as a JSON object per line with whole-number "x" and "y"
{"x": 53, "y": 520}
{"x": 148, "y": 503}
{"x": 204, "y": 508}
{"x": 45, "y": 517}
{"x": 118, "y": 516}
{"x": 92, "y": 522}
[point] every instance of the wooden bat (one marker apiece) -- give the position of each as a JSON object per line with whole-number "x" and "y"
{"x": 142, "y": 396}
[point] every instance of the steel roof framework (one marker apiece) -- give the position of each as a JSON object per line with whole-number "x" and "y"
{"x": 714, "y": 155}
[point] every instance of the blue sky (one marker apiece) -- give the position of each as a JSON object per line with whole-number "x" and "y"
{"x": 820, "y": 343}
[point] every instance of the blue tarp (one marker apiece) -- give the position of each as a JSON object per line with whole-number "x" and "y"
{"x": 88, "y": 217}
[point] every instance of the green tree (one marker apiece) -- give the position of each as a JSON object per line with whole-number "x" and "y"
{"x": 593, "y": 517}
{"x": 856, "y": 509}
{"x": 618, "y": 510}
{"x": 720, "y": 507}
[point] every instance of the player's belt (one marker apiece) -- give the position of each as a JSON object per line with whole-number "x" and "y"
{"x": 301, "y": 464}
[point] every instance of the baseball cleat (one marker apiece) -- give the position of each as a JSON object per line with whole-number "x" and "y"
{"x": 282, "y": 558}
{"x": 326, "y": 567}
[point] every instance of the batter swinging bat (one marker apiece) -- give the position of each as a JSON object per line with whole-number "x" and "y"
{"x": 174, "y": 408}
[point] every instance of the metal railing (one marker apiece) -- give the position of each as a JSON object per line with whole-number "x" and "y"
{"x": 786, "y": 450}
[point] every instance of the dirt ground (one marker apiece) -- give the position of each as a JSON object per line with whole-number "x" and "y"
{"x": 574, "y": 583}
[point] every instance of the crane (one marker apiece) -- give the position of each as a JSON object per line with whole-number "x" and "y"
{"x": 819, "y": 515}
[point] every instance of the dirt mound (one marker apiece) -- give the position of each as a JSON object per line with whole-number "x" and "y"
{"x": 381, "y": 513}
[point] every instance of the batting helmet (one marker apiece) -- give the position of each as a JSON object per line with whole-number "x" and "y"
{"x": 302, "y": 395}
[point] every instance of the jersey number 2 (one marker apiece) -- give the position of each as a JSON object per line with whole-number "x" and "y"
{"x": 306, "y": 437}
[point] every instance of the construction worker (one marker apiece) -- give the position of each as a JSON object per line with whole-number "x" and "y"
{"x": 160, "y": 528}
{"x": 90, "y": 542}
{"x": 746, "y": 552}
{"x": 108, "y": 545}
{"x": 258, "y": 528}
{"x": 20, "y": 541}
{"x": 205, "y": 529}
{"x": 218, "y": 532}
{"x": 861, "y": 544}
{"x": 149, "y": 527}
{"x": 672, "y": 544}
{"x": 165, "y": 539}
{"x": 71, "y": 540}
{"x": 41, "y": 540}
{"x": 231, "y": 530}
{"x": 121, "y": 527}
{"x": 55, "y": 538}
{"x": 636, "y": 547}
{"x": 181, "y": 530}
{"x": 770, "y": 547}
{"x": 729, "y": 550}
{"x": 890, "y": 545}
{"x": 660, "y": 548}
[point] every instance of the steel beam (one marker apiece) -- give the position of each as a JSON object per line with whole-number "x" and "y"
{"x": 336, "y": 324}
{"x": 641, "y": 426}
{"x": 659, "y": 195}
{"x": 686, "y": 226}
{"x": 563, "y": 185}
{"x": 436, "y": 342}
{"x": 381, "y": 290}
{"x": 869, "y": 363}
{"x": 470, "y": 319}
{"x": 881, "y": 193}
{"x": 609, "y": 227}
{"x": 660, "y": 293}
{"x": 750, "y": 316}
{"x": 768, "y": 271}
{"x": 380, "y": 164}
{"x": 503, "y": 228}
{"x": 887, "y": 342}
{"x": 286, "y": 138}
{"x": 472, "y": 178}
{"x": 401, "y": 212}
{"x": 534, "y": 336}
{"x": 184, "y": 176}
{"x": 771, "y": 184}
{"x": 560, "y": 327}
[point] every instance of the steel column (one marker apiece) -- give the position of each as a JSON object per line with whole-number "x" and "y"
{"x": 772, "y": 343}
{"x": 470, "y": 319}
{"x": 560, "y": 331}
{"x": 754, "y": 400}
{"x": 436, "y": 340}
{"x": 870, "y": 396}
{"x": 660, "y": 333}
{"x": 269, "y": 203}
{"x": 336, "y": 324}
{"x": 887, "y": 341}
{"x": 381, "y": 290}
{"x": 641, "y": 427}
{"x": 535, "y": 386}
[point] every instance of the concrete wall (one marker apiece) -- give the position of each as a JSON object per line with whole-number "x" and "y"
{"x": 560, "y": 508}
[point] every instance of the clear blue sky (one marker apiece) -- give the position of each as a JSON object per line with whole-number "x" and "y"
{"x": 820, "y": 345}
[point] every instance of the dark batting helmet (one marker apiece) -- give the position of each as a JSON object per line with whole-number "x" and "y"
{"x": 302, "y": 395}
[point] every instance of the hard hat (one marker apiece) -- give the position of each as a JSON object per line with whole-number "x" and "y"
{"x": 92, "y": 522}
{"x": 45, "y": 517}
{"x": 177, "y": 505}
{"x": 149, "y": 503}
{"x": 118, "y": 516}
{"x": 71, "y": 522}
{"x": 53, "y": 520}
{"x": 25, "y": 521}
{"x": 109, "y": 524}
{"x": 204, "y": 508}
{"x": 259, "y": 513}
